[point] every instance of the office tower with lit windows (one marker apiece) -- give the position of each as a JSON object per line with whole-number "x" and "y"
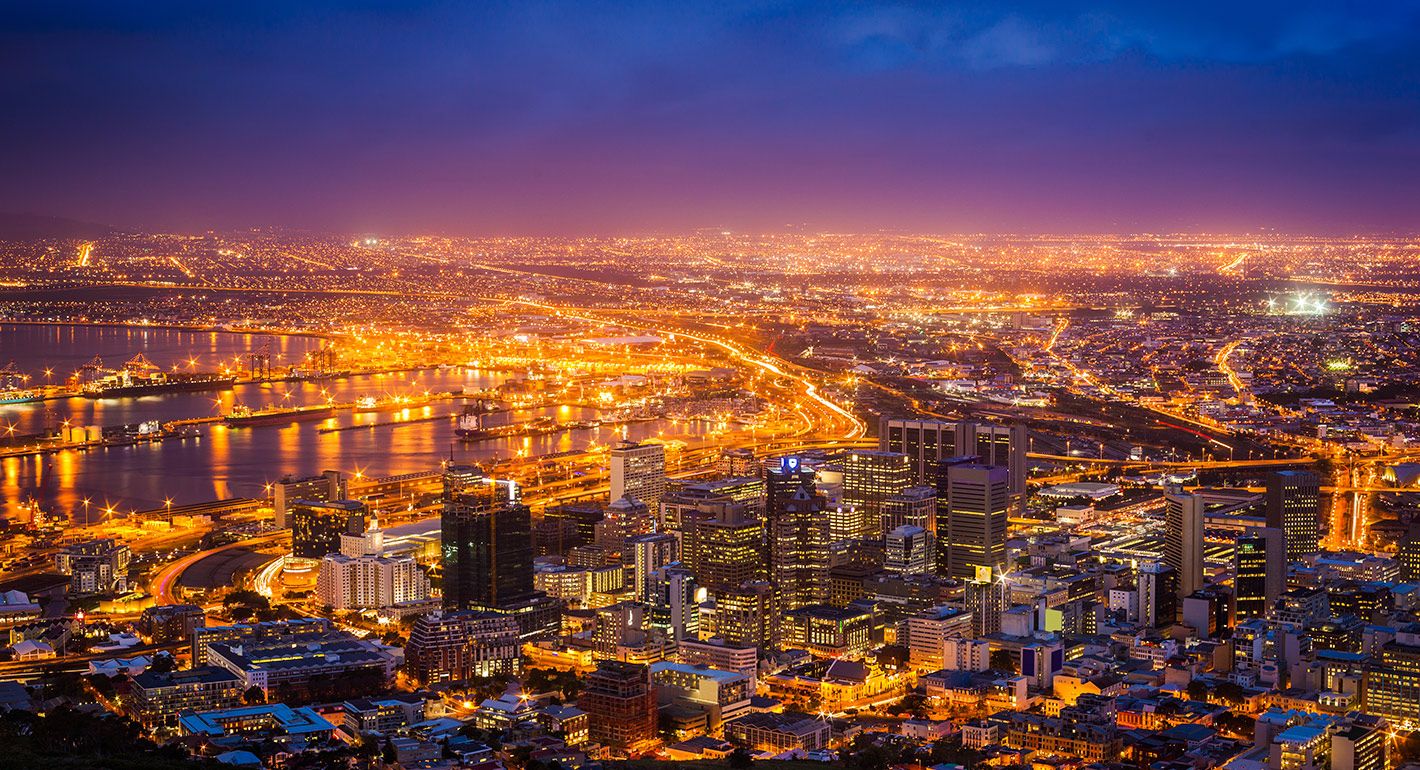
{"x": 621, "y": 703}
{"x": 745, "y": 614}
{"x": 928, "y": 443}
{"x": 783, "y": 482}
{"x": 1003, "y": 446}
{"x": 869, "y": 480}
{"x": 1157, "y": 585}
{"x": 1183, "y": 539}
{"x": 910, "y": 550}
{"x": 648, "y": 554}
{"x": 1408, "y": 554}
{"x": 638, "y": 471}
{"x": 725, "y": 552}
{"x": 486, "y": 542}
{"x": 925, "y": 442}
{"x": 674, "y": 599}
{"x": 316, "y": 527}
{"x": 799, "y": 551}
{"x": 1294, "y": 506}
{"x": 973, "y": 505}
{"x": 1259, "y": 572}
{"x": 914, "y": 506}
{"x": 985, "y": 599}
{"x": 324, "y": 488}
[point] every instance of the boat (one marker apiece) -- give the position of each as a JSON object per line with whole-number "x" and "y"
{"x": 389, "y": 403}
{"x": 157, "y": 385}
{"x": 141, "y": 377}
{"x": 471, "y": 426}
{"x": 243, "y": 416}
{"x": 19, "y": 397}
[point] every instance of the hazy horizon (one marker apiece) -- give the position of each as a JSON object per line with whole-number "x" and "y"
{"x": 564, "y": 119}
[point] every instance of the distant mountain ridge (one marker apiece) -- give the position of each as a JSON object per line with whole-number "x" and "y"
{"x": 24, "y": 227}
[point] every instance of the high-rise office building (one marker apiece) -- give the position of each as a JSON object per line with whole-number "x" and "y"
{"x": 909, "y": 550}
{"x": 486, "y": 542}
{"x": 1158, "y": 594}
{"x": 870, "y": 479}
{"x": 928, "y": 443}
{"x": 1408, "y": 554}
{"x": 1259, "y": 572}
{"x": 1003, "y": 446}
{"x": 316, "y": 526}
{"x": 725, "y": 553}
{"x": 973, "y": 504}
{"x": 1294, "y": 506}
{"x": 638, "y": 471}
{"x": 914, "y": 506}
{"x": 324, "y": 488}
{"x": 799, "y": 551}
{"x": 985, "y": 598}
{"x": 1183, "y": 539}
{"x": 674, "y": 598}
{"x": 648, "y": 554}
{"x": 783, "y": 482}
{"x": 745, "y": 614}
{"x": 621, "y": 703}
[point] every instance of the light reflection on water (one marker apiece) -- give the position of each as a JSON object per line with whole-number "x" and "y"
{"x": 227, "y": 462}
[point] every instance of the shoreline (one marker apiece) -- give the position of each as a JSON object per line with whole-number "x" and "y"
{"x": 173, "y": 326}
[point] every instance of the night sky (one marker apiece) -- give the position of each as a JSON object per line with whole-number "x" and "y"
{"x": 563, "y": 118}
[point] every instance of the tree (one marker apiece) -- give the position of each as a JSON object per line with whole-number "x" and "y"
{"x": 1197, "y": 689}
{"x": 163, "y": 664}
{"x": 253, "y": 696}
{"x": 1230, "y": 692}
{"x": 740, "y": 758}
{"x": 1003, "y": 660}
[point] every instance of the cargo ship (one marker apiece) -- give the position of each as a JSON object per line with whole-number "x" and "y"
{"x": 13, "y": 388}
{"x": 470, "y": 427}
{"x": 243, "y": 416}
{"x": 18, "y": 396}
{"x": 366, "y": 404}
{"x": 141, "y": 377}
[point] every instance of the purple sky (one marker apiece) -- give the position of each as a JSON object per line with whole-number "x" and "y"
{"x": 589, "y": 117}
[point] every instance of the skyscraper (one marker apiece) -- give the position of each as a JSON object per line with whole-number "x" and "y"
{"x": 799, "y": 551}
{"x": 1259, "y": 572}
{"x": 1183, "y": 539}
{"x": 621, "y": 704}
{"x": 324, "y": 488}
{"x": 783, "y": 482}
{"x": 927, "y": 443}
{"x": 915, "y": 506}
{"x": 316, "y": 526}
{"x": 638, "y": 471}
{"x": 650, "y": 553}
{"x": 1294, "y": 506}
{"x": 725, "y": 552}
{"x": 973, "y": 504}
{"x": 986, "y": 600}
{"x": 1158, "y": 594}
{"x": 486, "y": 540}
{"x": 1409, "y": 554}
{"x": 870, "y": 479}
{"x": 910, "y": 550}
{"x": 1003, "y": 446}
